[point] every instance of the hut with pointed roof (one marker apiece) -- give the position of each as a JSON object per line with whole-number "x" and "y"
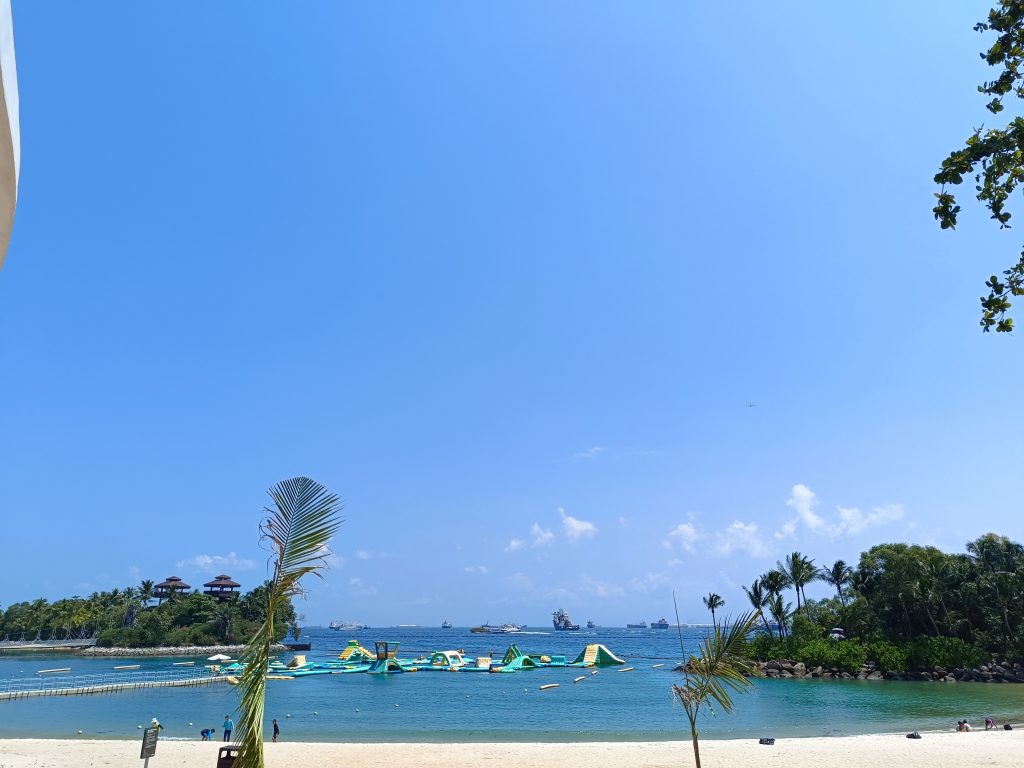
{"x": 222, "y": 588}
{"x": 166, "y": 588}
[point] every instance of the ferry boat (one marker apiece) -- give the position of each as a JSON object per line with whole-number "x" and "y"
{"x": 490, "y": 629}
{"x": 446, "y": 624}
{"x": 661, "y": 623}
{"x": 346, "y": 626}
{"x": 641, "y": 625}
{"x": 562, "y": 621}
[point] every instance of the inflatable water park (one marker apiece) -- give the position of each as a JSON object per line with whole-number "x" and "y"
{"x": 384, "y": 660}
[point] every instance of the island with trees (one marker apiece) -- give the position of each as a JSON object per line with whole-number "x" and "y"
{"x": 904, "y": 612}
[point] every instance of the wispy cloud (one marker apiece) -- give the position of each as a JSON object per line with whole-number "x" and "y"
{"x": 684, "y": 535}
{"x": 359, "y": 588}
{"x": 478, "y": 569}
{"x": 541, "y": 536}
{"x": 515, "y": 545}
{"x": 741, "y": 537}
{"x": 651, "y": 582}
{"x": 804, "y": 501}
{"x": 576, "y": 529}
{"x": 855, "y": 521}
{"x": 590, "y": 453}
{"x": 851, "y": 520}
{"x": 599, "y": 588}
{"x": 211, "y": 563}
{"x": 362, "y": 554}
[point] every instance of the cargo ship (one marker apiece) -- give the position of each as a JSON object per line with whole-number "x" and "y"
{"x": 562, "y": 621}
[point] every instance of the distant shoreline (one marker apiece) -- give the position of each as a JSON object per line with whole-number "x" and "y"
{"x": 170, "y": 650}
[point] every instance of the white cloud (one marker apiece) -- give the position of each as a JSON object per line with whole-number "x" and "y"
{"x": 673, "y": 562}
{"x": 541, "y": 536}
{"x": 359, "y": 588}
{"x": 653, "y": 581}
{"x": 211, "y": 563}
{"x": 134, "y": 572}
{"x": 855, "y": 521}
{"x": 362, "y": 554}
{"x": 851, "y": 520}
{"x": 515, "y": 545}
{"x": 685, "y": 535}
{"x": 590, "y": 453}
{"x": 787, "y": 531}
{"x": 480, "y": 569}
{"x": 600, "y": 588}
{"x": 741, "y": 537}
{"x": 576, "y": 529}
{"x": 624, "y": 521}
{"x": 804, "y": 501}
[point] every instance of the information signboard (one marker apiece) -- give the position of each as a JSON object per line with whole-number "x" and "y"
{"x": 149, "y": 737}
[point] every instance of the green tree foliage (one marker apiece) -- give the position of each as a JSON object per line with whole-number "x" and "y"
{"x": 122, "y": 617}
{"x": 908, "y": 607}
{"x": 993, "y": 158}
{"x": 719, "y": 669}
{"x": 840, "y": 576}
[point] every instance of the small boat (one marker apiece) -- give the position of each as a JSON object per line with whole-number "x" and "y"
{"x": 446, "y": 624}
{"x": 346, "y": 626}
{"x": 591, "y": 624}
{"x": 641, "y": 625}
{"x": 562, "y": 622}
{"x": 661, "y": 623}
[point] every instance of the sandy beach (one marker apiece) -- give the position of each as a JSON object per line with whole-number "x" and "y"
{"x": 933, "y": 750}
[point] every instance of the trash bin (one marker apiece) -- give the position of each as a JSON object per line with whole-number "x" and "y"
{"x": 226, "y": 757}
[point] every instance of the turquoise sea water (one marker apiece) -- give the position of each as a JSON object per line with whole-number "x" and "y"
{"x": 444, "y": 706}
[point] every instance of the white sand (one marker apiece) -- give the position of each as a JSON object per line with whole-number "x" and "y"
{"x": 933, "y": 750}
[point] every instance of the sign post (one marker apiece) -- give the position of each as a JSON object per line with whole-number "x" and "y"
{"x": 149, "y": 737}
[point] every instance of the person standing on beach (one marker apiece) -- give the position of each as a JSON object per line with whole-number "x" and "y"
{"x": 277, "y": 731}
{"x": 228, "y": 726}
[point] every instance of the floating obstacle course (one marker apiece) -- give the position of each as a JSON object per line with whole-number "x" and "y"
{"x": 597, "y": 655}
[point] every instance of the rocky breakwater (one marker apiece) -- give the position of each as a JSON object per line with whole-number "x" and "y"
{"x": 993, "y": 672}
{"x": 169, "y": 650}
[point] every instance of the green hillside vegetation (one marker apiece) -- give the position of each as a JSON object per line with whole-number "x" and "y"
{"x": 129, "y": 618}
{"x": 904, "y": 607}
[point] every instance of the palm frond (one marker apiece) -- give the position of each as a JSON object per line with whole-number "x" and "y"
{"x": 299, "y": 526}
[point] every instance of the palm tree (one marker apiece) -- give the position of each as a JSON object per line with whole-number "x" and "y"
{"x": 780, "y": 611}
{"x": 774, "y": 582}
{"x": 146, "y": 592}
{"x": 800, "y": 570}
{"x": 839, "y": 576}
{"x": 719, "y": 669}
{"x": 757, "y": 597}
{"x": 712, "y": 602}
{"x": 298, "y": 529}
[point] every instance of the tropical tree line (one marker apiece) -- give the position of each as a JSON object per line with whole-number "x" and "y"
{"x": 128, "y": 618}
{"x": 903, "y": 606}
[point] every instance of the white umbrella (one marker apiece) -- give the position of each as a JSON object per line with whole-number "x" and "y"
{"x": 218, "y": 657}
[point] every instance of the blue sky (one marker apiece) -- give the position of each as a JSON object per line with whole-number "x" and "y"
{"x": 506, "y": 278}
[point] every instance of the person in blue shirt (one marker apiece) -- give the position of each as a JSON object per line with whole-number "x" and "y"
{"x": 228, "y": 726}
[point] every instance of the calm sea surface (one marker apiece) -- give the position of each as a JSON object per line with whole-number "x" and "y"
{"x": 437, "y": 706}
